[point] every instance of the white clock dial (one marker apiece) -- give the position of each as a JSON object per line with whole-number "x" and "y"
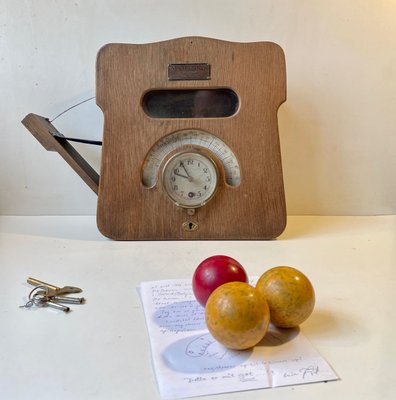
{"x": 190, "y": 179}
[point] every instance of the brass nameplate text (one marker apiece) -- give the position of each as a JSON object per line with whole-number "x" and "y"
{"x": 189, "y": 72}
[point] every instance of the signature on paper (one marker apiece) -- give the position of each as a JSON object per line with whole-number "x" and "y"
{"x": 304, "y": 373}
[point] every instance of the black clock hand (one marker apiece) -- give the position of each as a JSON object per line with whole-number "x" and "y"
{"x": 182, "y": 164}
{"x": 183, "y": 176}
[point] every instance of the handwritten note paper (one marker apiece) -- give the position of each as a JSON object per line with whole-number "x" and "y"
{"x": 189, "y": 362}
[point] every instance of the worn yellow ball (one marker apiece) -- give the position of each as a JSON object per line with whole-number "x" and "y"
{"x": 289, "y": 294}
{"x": 237, "y": 316}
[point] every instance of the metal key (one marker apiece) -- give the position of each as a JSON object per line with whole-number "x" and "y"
{"x": 44, "y": 301}
{"x": 53, "y": 296}
{"x": 57, "y": 306}
{"x": 52, "y": 289}
{"x": 68, "y": 300}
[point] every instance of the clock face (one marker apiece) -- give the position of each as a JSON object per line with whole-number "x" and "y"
{"x": 190, "y": 179}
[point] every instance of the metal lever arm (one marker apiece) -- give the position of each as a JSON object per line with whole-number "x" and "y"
{"x": 52, "y": 140}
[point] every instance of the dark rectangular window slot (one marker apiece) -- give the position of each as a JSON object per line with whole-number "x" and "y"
{"x": 190, "y": 103}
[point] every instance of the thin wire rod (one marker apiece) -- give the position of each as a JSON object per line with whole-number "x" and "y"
{"x": 70, "y": 108}
{"x": 86, "y": 141}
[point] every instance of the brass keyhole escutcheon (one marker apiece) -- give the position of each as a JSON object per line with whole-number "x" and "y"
{"x": 190, "y": 226}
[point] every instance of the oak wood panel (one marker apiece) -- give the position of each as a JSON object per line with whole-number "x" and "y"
{"x": 256, "y": 72}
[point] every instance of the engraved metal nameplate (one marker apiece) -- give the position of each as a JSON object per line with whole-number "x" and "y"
{"x": 189, "y": 72}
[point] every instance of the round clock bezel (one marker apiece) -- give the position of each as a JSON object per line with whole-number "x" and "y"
{"x": 165, "y": 181}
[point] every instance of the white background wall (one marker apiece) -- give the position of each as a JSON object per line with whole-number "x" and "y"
{"x": 337, "y": 128}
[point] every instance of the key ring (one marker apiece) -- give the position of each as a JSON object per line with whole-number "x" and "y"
{"x": 47, "y": 295}
{"x": 33, "y": 297}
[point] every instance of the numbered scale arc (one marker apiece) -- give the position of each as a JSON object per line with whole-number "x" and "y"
{"x": 190, "y": 137}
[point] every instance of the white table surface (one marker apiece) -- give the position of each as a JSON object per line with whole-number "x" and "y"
{"x": 101, "y": 349}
